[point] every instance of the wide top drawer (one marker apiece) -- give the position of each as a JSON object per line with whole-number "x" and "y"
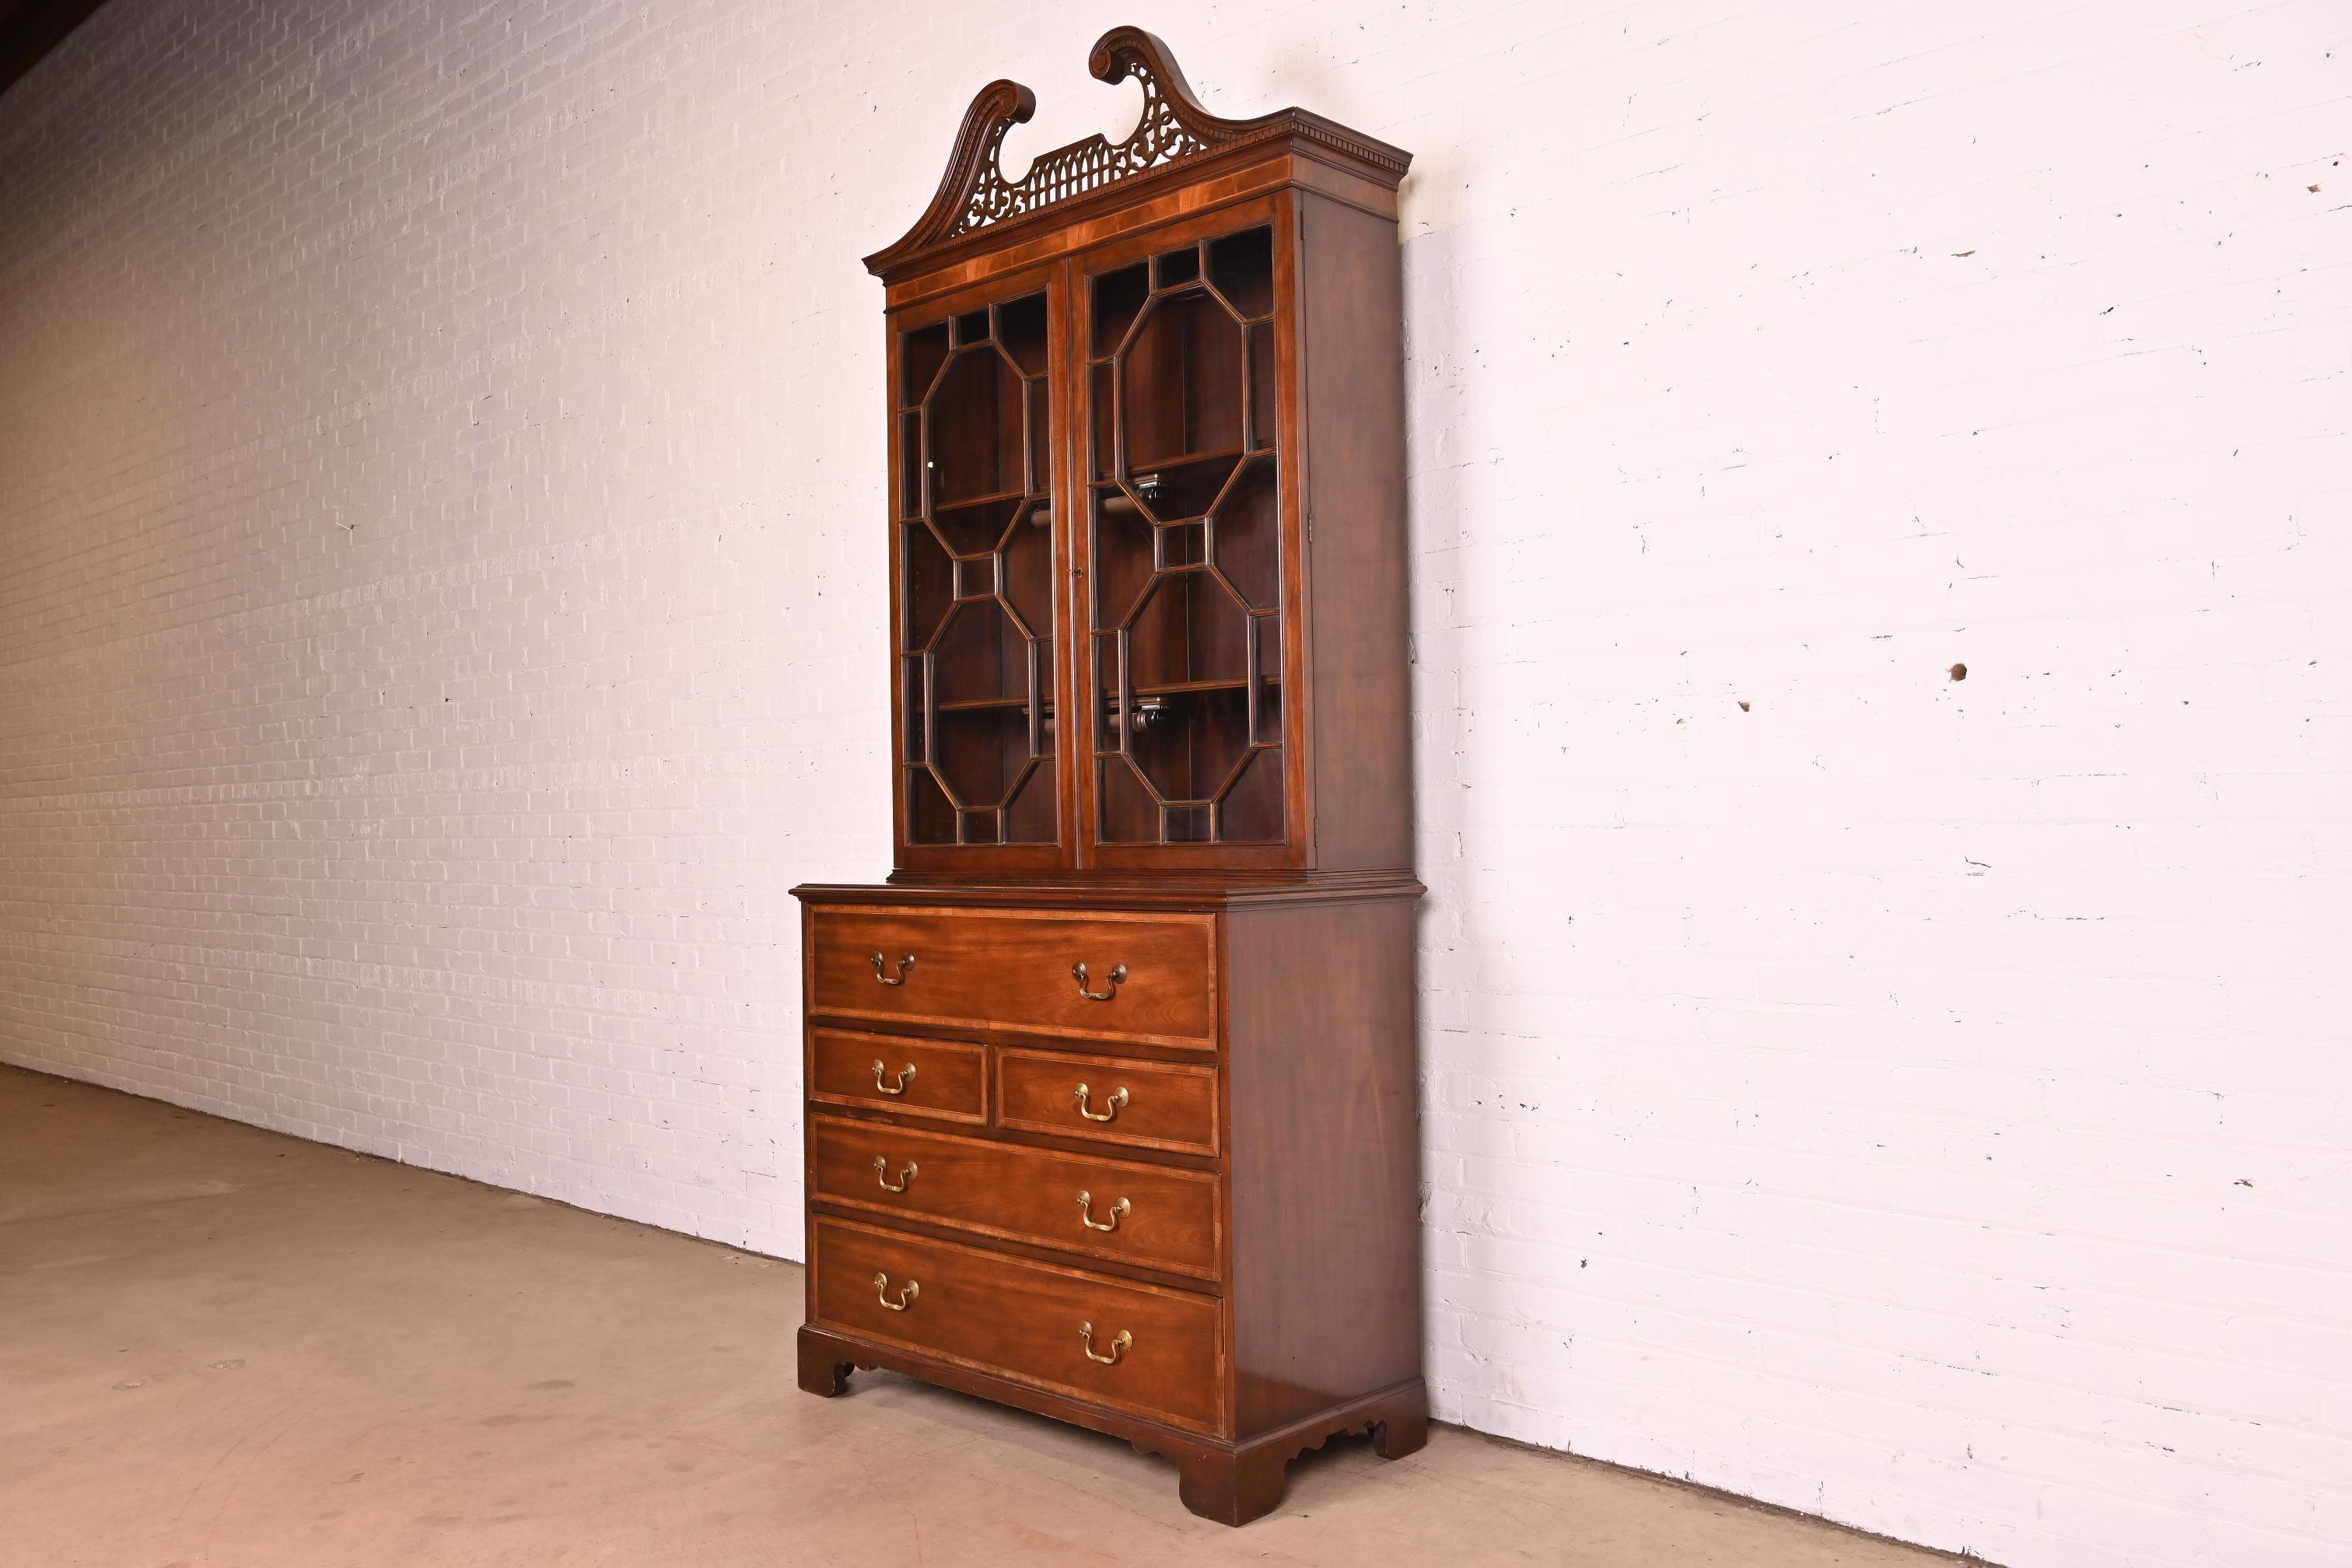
{"x": 1105, "y": 976}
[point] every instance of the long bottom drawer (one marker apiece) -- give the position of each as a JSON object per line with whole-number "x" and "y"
{"x": 1152, "y": 1352}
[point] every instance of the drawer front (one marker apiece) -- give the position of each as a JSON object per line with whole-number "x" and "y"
{"x": 943, "y": 1079}
{"x": 1012, "y": 970}
{"x": 1146, "y": 1214}
{"x": 1021, "y": 1320}
{"x": 1151, "y": 1105}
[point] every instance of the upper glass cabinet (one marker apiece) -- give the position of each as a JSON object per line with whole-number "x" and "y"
{"x": 975, "y": 576}
{"x": 1101, "y": 564}
{"x": 1184, "y": 605}
{"x": 1147, "y": 545}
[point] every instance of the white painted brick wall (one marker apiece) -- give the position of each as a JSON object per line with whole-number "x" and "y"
{"x": 441, "y": 615}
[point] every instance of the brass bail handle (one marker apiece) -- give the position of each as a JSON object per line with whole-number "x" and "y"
{"x": 906, "y": 1296}
{"x": 904, "y": 964}
{"x": 1118, "y": 1097}
{"x": 1118, "y": 1211}
{"x": 1117, "y": 978}
{"x": 906, "y": 1075}
{"x": 881, "y": 1175}
{"x": 1120, "y": 1344}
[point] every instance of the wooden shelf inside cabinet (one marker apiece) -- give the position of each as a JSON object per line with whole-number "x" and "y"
{"x": 987, "y": 705}
{"x": 1151, "y": 806}
{"x": 1185, "y": 687}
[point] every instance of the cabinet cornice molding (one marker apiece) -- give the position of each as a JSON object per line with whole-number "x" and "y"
{"x": 1175, "y": 128}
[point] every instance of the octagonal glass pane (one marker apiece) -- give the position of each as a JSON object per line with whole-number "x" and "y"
{"x": 1246, "y": 536}
{"x": 1189, "y": 631}
{"x": 921, "y": 353}
{"x": 975, "y": 428}
{"x": 929, "y": 580}
{"x": 1181, "y": 381}
{"x": 1123, "y": 553}
{"x": 979, "y": 656}
{"x": 1263, "y": 414}
{"x": 980, "y": 754}
{"x": 1251, "y": 809}
{"x": 1114, "y": 300}
{"x": 930, "y": 819}
{"x": 1129, "y": 813}
{"x": 1241, "y": 267}
{"x": 975, "y": 528}
{"x": 910, "y": 463}
{"x": 1021, "y": 328}
{"x": 914, "y": 674}
{"x": 1025, "y": 571}
{"x": 1029, "y": 817}
{"x": 1175, "y": 492}
{"x": 1187, "y": 744}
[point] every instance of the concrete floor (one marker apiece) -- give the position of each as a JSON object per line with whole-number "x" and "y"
{"x": 221, "y": 1346}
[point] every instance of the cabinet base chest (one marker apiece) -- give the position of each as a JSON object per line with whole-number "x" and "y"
{"x": 1179, "y": 1206}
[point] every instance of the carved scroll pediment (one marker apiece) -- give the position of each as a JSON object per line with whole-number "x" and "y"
{"x": 975, "y": 193}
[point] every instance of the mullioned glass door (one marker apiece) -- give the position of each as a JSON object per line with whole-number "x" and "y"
{"x": 1185, "y": 634}
{"x": 976, "y": 580}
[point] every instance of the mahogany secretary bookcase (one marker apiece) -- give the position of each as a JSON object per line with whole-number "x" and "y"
{"x": 1112, "y": 1099}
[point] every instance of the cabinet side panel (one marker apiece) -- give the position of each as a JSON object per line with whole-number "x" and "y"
{"x": 1352, "y": 302}
{"x": 1324, "y": 1156}
{"x": 808, "y": 1078}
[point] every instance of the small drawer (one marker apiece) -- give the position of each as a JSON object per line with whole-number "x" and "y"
{"x": 1152, "y": 1105}
{"x": 941, "y": 1078}
{"x": 1148, "y": 978}
{"x": 1152, "y": 1352}
{"x": 1147, "y": 1214}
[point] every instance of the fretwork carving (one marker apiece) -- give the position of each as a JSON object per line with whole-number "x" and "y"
{"x": 974, "y": 193}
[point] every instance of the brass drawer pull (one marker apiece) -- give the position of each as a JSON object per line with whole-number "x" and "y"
{"x": 904, "y": 964}
{"x": 1119, "y": 1345}
{"x": 905, "y": 1073}
{"x": 1118, "y": 1211}
{"x": 906, "y": 1296}
{"x": 881, "y": 1175}
{"x": 1117, "y": 978}
{"x": 1118, "y": 1097}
